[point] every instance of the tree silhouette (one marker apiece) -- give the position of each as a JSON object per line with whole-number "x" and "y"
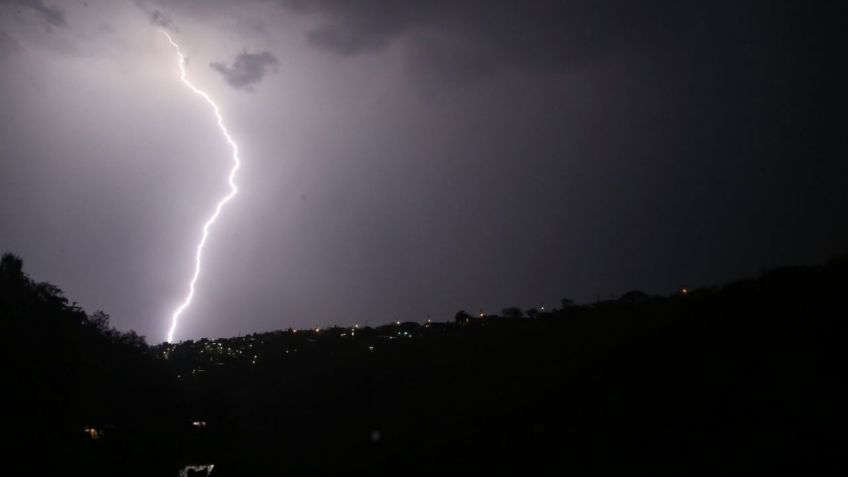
{"x": 11, "y": 266}
{"x": 461, "y": 317}
{"x": 512, "y": 312}
{"x": 66, "y": 372}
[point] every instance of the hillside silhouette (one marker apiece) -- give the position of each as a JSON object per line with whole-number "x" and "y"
{"x": 747, "y": 377}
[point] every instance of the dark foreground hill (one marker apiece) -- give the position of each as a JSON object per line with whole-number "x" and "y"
{"x": 747, "y": 378}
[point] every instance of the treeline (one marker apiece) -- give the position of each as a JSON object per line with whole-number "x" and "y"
{"x": 78, "y": 396}
{"x": 747, "y": 377}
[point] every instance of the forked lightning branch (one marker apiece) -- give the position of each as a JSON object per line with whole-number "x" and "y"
{"x": 198, "y": 256}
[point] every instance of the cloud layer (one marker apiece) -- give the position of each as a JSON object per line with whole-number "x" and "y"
{"x": 476, "y": 36}
{"x": 53, "y": 16}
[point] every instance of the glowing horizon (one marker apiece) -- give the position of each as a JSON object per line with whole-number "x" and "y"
{"x": 231, "y": 180}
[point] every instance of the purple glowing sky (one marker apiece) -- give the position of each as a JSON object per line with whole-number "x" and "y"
{"x": 406, "y": 159}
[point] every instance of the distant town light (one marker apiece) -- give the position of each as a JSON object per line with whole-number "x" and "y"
{"x": 684, "y": 291}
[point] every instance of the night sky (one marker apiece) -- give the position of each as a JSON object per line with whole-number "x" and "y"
{"x": 403, "y": 160}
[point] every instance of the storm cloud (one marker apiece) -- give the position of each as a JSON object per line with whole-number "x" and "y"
{"x": 161, "y": 19}
{"x": 52, "y": 16}
{"x": 466, "y": 39}
{"x": 247, "y": 69}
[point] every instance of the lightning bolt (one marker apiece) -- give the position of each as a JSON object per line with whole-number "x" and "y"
{"x": 175, "y": 318}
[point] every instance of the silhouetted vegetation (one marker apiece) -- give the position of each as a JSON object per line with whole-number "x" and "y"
{"x": 745, "y": 378}
{"x": 76, "y": 393}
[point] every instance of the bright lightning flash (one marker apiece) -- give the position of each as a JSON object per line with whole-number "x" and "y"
{"x": 231, "y": 180}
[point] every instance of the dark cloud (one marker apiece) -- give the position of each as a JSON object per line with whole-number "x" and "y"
{"x": 156, "y": 16}
{"x": 51, "y": 15}
{"x": 475, "y": 35}
{"x": 247, "y": 70}
{"x": 462, "y": 40}
{"x": 161, "y": 19}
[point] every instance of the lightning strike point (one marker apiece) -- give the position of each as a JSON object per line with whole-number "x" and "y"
{"x": 220, "y": 205}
